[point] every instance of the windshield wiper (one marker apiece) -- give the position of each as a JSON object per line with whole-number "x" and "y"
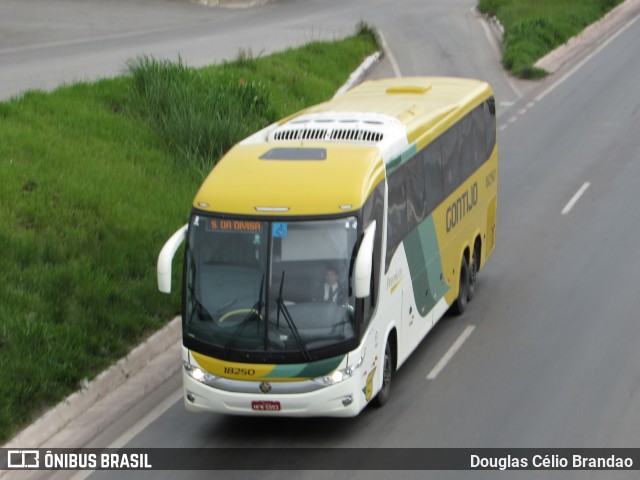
{"x": 287, "y": 316}
{"x": 199, "y": 308}
{"x": 253, "y": 312}
{"x": 203, "y": 313}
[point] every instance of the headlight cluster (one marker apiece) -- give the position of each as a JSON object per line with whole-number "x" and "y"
{"x": 198, "y": 374}
{"x": 338, "y": 376}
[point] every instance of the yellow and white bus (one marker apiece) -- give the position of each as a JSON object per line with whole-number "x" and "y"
{"x": 390, "y": 189}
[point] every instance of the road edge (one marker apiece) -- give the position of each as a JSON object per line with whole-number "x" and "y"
{"x": 589, "y": 39}
{"x": 58, "y": 417}
{"x": 577, "y": 46}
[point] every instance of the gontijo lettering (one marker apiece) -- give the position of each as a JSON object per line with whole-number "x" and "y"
{"x": 463, "y": 205}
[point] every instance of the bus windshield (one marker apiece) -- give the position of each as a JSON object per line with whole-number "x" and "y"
{"x": 257, "y": 287}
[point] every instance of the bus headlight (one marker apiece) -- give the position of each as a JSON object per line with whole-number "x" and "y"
{"x": 338, "y": 376}
{"x": 198, "y": 374}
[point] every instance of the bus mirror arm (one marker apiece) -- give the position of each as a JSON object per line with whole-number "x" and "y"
{"x": 166, "y": 257}
{"x": 364, "y": 263}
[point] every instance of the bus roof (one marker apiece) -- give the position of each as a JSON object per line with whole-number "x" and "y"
{"x": 421, "y": 104}
{"x": 328, "y": 158}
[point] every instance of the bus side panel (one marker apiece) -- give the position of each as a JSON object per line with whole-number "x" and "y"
{"x": 491, "y": 227}
{"x": 423, "y": 256}
{"x": 490, "y": 181}
{"x": 415, "y": 288}
{"x": 397, "y": 297}
{"x": 422, "y": 279}
{"x": 471, "y": 208}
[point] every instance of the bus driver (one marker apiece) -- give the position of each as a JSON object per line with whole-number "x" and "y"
{"x": 333, "y": 291}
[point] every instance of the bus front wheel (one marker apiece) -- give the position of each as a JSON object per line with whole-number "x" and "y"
{"x": 387, "y": 371}
{"x": 460, "y": 304}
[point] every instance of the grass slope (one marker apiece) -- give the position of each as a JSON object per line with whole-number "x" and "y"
{"x": 95, "y": 177}
{"x": 532, "y": 28}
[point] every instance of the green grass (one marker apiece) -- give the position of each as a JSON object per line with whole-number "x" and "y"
{"x": 95, "y": 177}
{"x": 535, "y": 27}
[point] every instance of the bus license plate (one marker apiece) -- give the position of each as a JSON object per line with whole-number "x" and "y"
{"x": 265, "y": 406}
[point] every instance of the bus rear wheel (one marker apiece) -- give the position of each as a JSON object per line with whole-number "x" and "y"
{"x": 387, "y": 372}
{"x": 460, "y": 304}
{"x": 473, "y": 272}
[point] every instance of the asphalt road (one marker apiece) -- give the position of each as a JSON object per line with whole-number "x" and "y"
{"x": 44, "y": 43}
{"x": 553, "y": 360}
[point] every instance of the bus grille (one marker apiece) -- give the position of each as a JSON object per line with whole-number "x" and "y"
{"x": 301, "y": 134}
{"x": 355, "y": 135}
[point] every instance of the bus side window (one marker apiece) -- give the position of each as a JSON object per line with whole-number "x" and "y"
{"x": 449, "y": 161}
{"x": 415, "y": 190}
{"x": 490, "y": 124}
{"x": 433, "y": 175}
{"x": 374, "y": 210}
{"x": 465, "y": 140}
{"x": 479, "y": 138}
{"x": 397, "y": 212}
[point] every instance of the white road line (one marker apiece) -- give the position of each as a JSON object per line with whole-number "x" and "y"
{"x": 495, "y": 46}
{"x": 147, "y": 420}
{"x": 389, "y": 53}
{"x": 567, "y": 208}
{"x": 493, "y": 43}
{"x": 451, "y": 352}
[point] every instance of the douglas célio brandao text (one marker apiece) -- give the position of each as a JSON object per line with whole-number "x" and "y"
{"x": 550, "y": 462}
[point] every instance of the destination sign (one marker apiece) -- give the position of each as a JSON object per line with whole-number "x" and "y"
{"x": 221, "y": 225}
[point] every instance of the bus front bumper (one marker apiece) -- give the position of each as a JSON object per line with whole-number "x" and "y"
{"x": 344, "y": 399}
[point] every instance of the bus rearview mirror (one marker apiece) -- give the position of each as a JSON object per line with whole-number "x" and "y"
{"x": 364, "y": 263}
{"x": 166, "y": 257}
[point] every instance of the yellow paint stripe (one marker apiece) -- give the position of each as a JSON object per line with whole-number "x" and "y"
{"x": 396, "y": 285}
{"x": 233, "y": 370}
{"x": 239, "y": 371}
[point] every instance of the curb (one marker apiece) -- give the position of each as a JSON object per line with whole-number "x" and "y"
{"x": 590, "y": 37}
{"x": 359, "y": 74}
{"x": 57, "y": 418}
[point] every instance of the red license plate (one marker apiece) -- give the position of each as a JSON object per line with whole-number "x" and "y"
{"x": 265, "y": 406}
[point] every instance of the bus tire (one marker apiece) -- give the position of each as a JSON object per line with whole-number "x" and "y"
{"x": 460, "y": 305}
{"x": 387, "y": 372}
{"x": 473, "y": 273}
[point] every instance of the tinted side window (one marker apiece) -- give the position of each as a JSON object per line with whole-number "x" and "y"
{"x": 490, "y": 124}
{"x": 397, "y": 214}
{"x": 415, "y": 190}
{"x": 450, "y": 160}
{"x": 467, "y": 154}
{"x": 479, "y": 139}
{"x": 374, "y": 210}
{"x": 433, "y": 175}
